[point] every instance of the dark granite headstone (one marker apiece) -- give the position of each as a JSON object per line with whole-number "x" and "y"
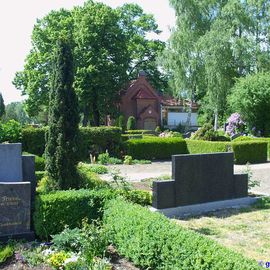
{"x": 199, "y": 179}
{"x": 15, "y": 208}
{"x": 16, "y": 196}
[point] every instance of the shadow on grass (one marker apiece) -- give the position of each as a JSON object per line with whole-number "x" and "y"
{"x": 262, "y": 203}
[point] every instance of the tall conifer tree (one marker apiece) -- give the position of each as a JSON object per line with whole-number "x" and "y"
{"x": 61, "y": 138}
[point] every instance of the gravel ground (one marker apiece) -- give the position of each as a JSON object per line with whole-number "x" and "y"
{"x": 136, "y": 173}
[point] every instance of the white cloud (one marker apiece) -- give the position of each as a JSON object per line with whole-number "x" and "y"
{"x": 17, "y": 19}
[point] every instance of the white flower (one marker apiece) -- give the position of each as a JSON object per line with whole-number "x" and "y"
{"x": 73, "y": 258}
{"x": 47, "y": 252}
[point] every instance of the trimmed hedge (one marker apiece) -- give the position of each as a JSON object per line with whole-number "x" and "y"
{"x": 155, "y": 148}
{"x": 140, "y": 131}
{"x": 152, "y": 241}
{"x": 249, "y": 151}
{"x": 33, "y": 140}
{"x": 100, "y": 139}
{"x": 56, "y": 210}
{"x": 97, "y": 139}
{"x": 199, "y": 146}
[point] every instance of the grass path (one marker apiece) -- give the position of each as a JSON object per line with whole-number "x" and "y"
{"x": 246, "y": 231}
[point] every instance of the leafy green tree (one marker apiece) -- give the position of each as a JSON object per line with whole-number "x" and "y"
{"x": 110, "y": 47}
{"x": 34, "y": 80}
{"x": 2, "y": 106}
{"x": 214, "y": 43}
{"x": 102, "y": 60}
{"x": 143, "y": 52}
{"x": 251, "y": 98}
{"x": 61, "y": 139}
{"x": 15, "y": 111}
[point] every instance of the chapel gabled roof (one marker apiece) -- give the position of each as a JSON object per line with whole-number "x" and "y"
{"x": 143, "y": 94}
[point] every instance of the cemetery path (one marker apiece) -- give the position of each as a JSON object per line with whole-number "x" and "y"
{"x": 139, "y": 172}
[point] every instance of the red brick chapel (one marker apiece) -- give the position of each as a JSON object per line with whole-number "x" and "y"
{"x": 141, "y": 101}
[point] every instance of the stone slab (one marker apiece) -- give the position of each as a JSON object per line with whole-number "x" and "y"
{"x": 163, "y": 194}
{"x": 15, "y": 205}
{"x": 11, "y": 162}
{"x": 203, "y": 178}
{"x": 198, "y": 209}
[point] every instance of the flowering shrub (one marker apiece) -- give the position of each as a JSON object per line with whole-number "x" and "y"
{"x": 235, "y": 124}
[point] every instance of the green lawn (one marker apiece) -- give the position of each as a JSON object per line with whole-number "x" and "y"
{"x": 246, "y": 231}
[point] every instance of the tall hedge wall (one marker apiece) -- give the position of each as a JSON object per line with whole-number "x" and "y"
{"x": 155, "y": 148}
{"x": 152, "y": 241}
{"x": 97, "y": 139}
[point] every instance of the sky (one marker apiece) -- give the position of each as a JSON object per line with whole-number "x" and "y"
{"x": 18, "y": 17}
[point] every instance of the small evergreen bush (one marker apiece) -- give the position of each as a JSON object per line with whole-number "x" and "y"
{"x": 131, "y": 123}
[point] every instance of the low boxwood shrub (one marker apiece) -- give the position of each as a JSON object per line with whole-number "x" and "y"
{"x": 249, "y": 151}
{"x": 140, "y": 197}
{"x": 152, "y": 241}
{"x": 200, "y": 147}
{"x": 56, "y": 210}
{"x": 155, "y": 148}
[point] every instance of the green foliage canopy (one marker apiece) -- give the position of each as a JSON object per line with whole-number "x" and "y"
{"x": 251, "y": 98}
{"x": 110, "y": 47}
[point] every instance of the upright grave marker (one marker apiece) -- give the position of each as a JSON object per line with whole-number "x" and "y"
{"x": 200, "y": 179}
{"x": 17, "y": 175}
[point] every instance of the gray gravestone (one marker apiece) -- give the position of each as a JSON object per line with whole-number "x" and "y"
{"x": 16, "y": 195}
{"x": 11, "y": 162}
{"x": 200, "y": 179}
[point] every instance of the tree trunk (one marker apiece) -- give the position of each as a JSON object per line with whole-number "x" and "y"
{"x": 96, "y": 114}
{"x": 86, "y": 114}
{"x": 216, "y": 121}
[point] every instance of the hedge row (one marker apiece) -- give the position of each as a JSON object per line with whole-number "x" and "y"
{"x": 155, "y": 148}
{"x": 199, "y": 146}
{"x": 140, "y": 131}
{"x": 54, "y": 211}
{"x": 249, "y": 151}
{"x": 152, "y": 241}
{"x": 247, "y": 138}
{"x": 252, "y": 151}
{"x": 94, "y": 139}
